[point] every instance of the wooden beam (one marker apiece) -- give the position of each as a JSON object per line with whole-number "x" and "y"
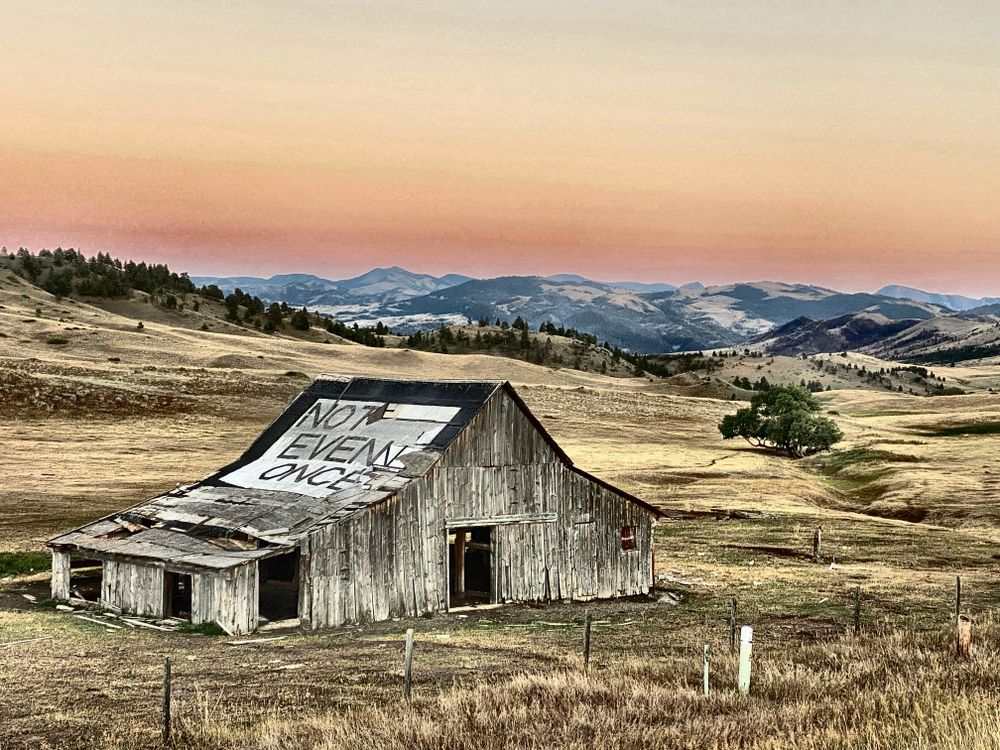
{"x": 460, "y": 561}
{"x": 453, "y": 523}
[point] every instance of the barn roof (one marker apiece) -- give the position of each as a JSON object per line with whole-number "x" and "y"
{"x": 341, "y": 445}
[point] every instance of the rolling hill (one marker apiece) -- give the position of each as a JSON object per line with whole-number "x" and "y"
{"x": 940, "y": 340}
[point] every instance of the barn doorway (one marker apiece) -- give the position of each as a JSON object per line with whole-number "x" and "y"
{"x": 278, "y": 587}
{"x": 176, "y": 595}
{"x": 86, "y": 579}
{"x": 470, "y": 566}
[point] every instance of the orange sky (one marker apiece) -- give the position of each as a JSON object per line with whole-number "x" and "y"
{"x": 848, "y": 144}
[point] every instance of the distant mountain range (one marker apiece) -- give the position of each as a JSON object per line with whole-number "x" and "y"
{"x": 380, "y": 285}
{"x": 641, "y": 316}
{"x": 955, "y": 302}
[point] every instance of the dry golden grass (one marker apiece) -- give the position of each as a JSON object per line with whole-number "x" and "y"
{"x": 510, "y": 678}
{"x": 832, "y": 695}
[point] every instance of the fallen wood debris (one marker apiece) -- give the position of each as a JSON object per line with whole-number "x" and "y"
{"x": 256, "y": 640}
{"x": 142, "y": 624}
{"x": 674, "y": 579}
{"x": 279, "y": 624}
{"x": 30, "y": 598}
{"x": 26, "y": 640}
{"x": 98, "y": 622}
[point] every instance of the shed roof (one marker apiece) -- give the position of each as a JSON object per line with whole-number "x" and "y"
{"x": 341, "y": 445}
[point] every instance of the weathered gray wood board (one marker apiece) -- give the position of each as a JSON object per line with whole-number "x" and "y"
{"x": 228, "y": 598}
{"x": 60, "y": 575}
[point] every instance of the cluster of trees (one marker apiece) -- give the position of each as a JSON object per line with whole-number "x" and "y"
{"x": 888, "y": 377}
{"x": 509, "y": 339}
{"x": 746, "y": 384}
{"x": 762, "y": 384}
{"x": 359, "y": 335}
{"x": 785, "y": 419}
{"x": 248, "y": 309}
{"x": 570, "y": 333}
{"x": 64, "y": 272}
{"x": 665, "y": 365}
{"x": 956, "y": 354}
{"x": 516, "y": 340}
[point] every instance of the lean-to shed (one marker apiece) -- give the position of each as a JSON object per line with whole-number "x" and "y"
{"x": 368, "y": 499}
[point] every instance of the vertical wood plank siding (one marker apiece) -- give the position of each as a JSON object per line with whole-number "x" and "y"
{"x": 389, "y": 560}
{"x": 228, "y": 598}
{"x": 133, "y": 587}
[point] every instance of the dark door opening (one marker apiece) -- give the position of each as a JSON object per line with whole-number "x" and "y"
{"x": 470, "y": 569}
{"x": 176, "y": 595}
{"x": 85, "y": 580}
{"x": 278, "y": 585}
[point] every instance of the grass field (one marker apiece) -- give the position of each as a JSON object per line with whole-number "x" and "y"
{"x": 179, "y": 403}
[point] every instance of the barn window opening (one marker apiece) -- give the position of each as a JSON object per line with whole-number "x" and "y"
{"x": 176, "y": 595}
{"x": 470, "y": 569}
{"x": 628, "y": 537}
{"x": 278, "y": 587}
{"x": 344, "y": 563}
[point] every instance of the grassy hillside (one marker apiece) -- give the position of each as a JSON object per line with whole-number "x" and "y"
{"x": 907, "y": 502}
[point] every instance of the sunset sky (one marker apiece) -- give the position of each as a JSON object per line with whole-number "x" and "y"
{"x": 849, "y": 144}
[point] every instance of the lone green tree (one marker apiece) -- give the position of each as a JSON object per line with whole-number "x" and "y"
{"x": 783, "y": 418}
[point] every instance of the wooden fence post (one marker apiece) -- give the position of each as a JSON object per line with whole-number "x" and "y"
{"x": 706, "y": 670}
{"x": 857, "y": 611}
{"x": 586, "y": 641}
{"x": 166, "y": 700}
{"x": 408, "y": 664}
{"x": 732, "y": 627}
{"x": 746, "y": 648}
{"x": 963, "y": 638}
{"x": 958, "y": 596}
{"x": 817, "y": 543}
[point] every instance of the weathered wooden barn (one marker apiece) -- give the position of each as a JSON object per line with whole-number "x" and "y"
{"x": 368, "y": 499}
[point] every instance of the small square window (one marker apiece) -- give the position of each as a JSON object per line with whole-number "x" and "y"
{"x": 345, "y": 564}
{"x": 628, "y": 537}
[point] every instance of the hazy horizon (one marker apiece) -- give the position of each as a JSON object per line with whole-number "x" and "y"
{"x": 335, "y": 275}
{"x": 717, "y": 141}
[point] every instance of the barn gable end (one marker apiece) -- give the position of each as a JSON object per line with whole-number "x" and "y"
{"x": 554, "y": 532}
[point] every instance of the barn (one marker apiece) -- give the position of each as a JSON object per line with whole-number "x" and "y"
{"x": 367, "y": 499}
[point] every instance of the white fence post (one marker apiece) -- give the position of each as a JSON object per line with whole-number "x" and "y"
{"x": 746, "y": 647}
{"x": 408, "y": 664}
{"x": 706, "y": 669}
